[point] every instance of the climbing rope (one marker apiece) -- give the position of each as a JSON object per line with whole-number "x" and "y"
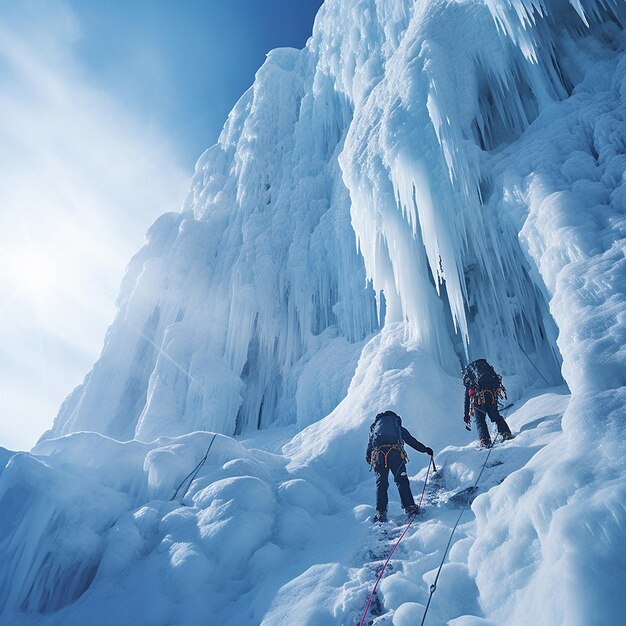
{"x": 382, "y": 571}
{"x": 433, "y": 587}
{"x": 532, "y": 363}
{"x": 194, "y": 472}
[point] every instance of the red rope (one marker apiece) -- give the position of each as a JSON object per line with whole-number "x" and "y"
{"x": 382, "y": 571}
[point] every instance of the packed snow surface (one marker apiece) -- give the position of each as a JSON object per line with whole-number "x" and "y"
{"x": 425, "y": 183}
{"x": 253, "y": 541}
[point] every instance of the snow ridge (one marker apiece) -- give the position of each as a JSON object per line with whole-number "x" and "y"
{"x": 424, "y": 183}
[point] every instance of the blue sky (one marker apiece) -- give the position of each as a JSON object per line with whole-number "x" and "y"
{"x": 104, "y": 108}
{"x": 183, "y": 65}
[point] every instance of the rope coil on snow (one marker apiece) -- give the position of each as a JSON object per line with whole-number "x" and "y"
{"x": 382, "y": 571}
{"x": 194, "y": 471}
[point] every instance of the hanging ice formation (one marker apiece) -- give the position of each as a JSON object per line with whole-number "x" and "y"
{"x": 425, "y": 182}
{"x": 359, "y": 182}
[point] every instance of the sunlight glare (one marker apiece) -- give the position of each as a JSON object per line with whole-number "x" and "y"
{"x": 32, "y": 272}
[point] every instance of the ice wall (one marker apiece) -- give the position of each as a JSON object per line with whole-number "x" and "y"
{"x": 564, "y": 187}
{"x": 452, "y": 172}
{"x": 228, "y": 300}
{"x": 416, "y": 161}
{"x": 347, "y": 189}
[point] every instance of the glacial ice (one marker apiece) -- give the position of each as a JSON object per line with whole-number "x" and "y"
{"x": 346, "y": 190}
{"x": 426, "y": 182}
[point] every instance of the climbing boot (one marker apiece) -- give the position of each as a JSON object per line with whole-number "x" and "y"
{"x": 507, "y": 436}
{"x": 411, "y": 511}
{"x": 485, "y": 442}
{"x": 381, "y": 516}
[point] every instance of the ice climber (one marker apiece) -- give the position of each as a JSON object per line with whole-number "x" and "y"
{"x": 385, "y": 452}
{"x": 483, "y": 388}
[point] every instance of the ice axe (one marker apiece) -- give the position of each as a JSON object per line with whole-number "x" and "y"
{"x": 432, "y": 460}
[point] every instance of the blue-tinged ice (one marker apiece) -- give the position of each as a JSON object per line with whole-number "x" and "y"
{"x": 424, "y": 183}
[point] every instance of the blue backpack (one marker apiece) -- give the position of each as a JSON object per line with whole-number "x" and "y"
{"x": 480, "y": 375}
{"x": 386, "y": 429}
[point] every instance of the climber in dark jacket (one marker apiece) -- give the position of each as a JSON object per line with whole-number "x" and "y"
{"x": 483, "y": 388}
{"x": 385, "y": 451}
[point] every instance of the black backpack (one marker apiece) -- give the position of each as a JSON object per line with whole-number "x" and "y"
{"x": 480, "y": 375}
{"x": 386, "y": 429}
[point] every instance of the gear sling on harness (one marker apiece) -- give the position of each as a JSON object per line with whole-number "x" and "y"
{"x": 378, "y": 450}
{"x": 478, "y": 397}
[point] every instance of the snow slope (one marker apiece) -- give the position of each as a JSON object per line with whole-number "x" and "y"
{"x": 254, "y": 543}
{"x": 424, "y": 183}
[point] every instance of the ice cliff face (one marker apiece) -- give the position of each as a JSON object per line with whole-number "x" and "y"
{"x": 229, "y": 300}
{"x": 372, "y": 178}
{"x": 424, "y": 183}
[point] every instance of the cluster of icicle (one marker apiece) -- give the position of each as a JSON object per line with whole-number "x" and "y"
{"x": 357, "y": 183}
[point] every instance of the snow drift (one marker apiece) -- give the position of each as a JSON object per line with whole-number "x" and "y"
{"x": 424, "y": 183}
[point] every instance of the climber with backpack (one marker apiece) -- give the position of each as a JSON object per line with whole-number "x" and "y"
{"x": 385, "y": 452}
{"x": 483, "y": 389}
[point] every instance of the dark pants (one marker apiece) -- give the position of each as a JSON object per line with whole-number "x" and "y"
{"x": 491, "y": 409}
{"x": 397, "y": 466}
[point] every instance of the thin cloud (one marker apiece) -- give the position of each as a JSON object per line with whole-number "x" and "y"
{"x": 81, "y": 179}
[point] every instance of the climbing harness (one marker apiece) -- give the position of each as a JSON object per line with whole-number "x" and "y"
{"x": 389, "y": 447}
{"x": 495, "y": 394}
{"x": 478, "y": 397}
{"x": 194, "y": 472}
{"x": 433, "y": 587}
{"x": 382, "y": 571}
